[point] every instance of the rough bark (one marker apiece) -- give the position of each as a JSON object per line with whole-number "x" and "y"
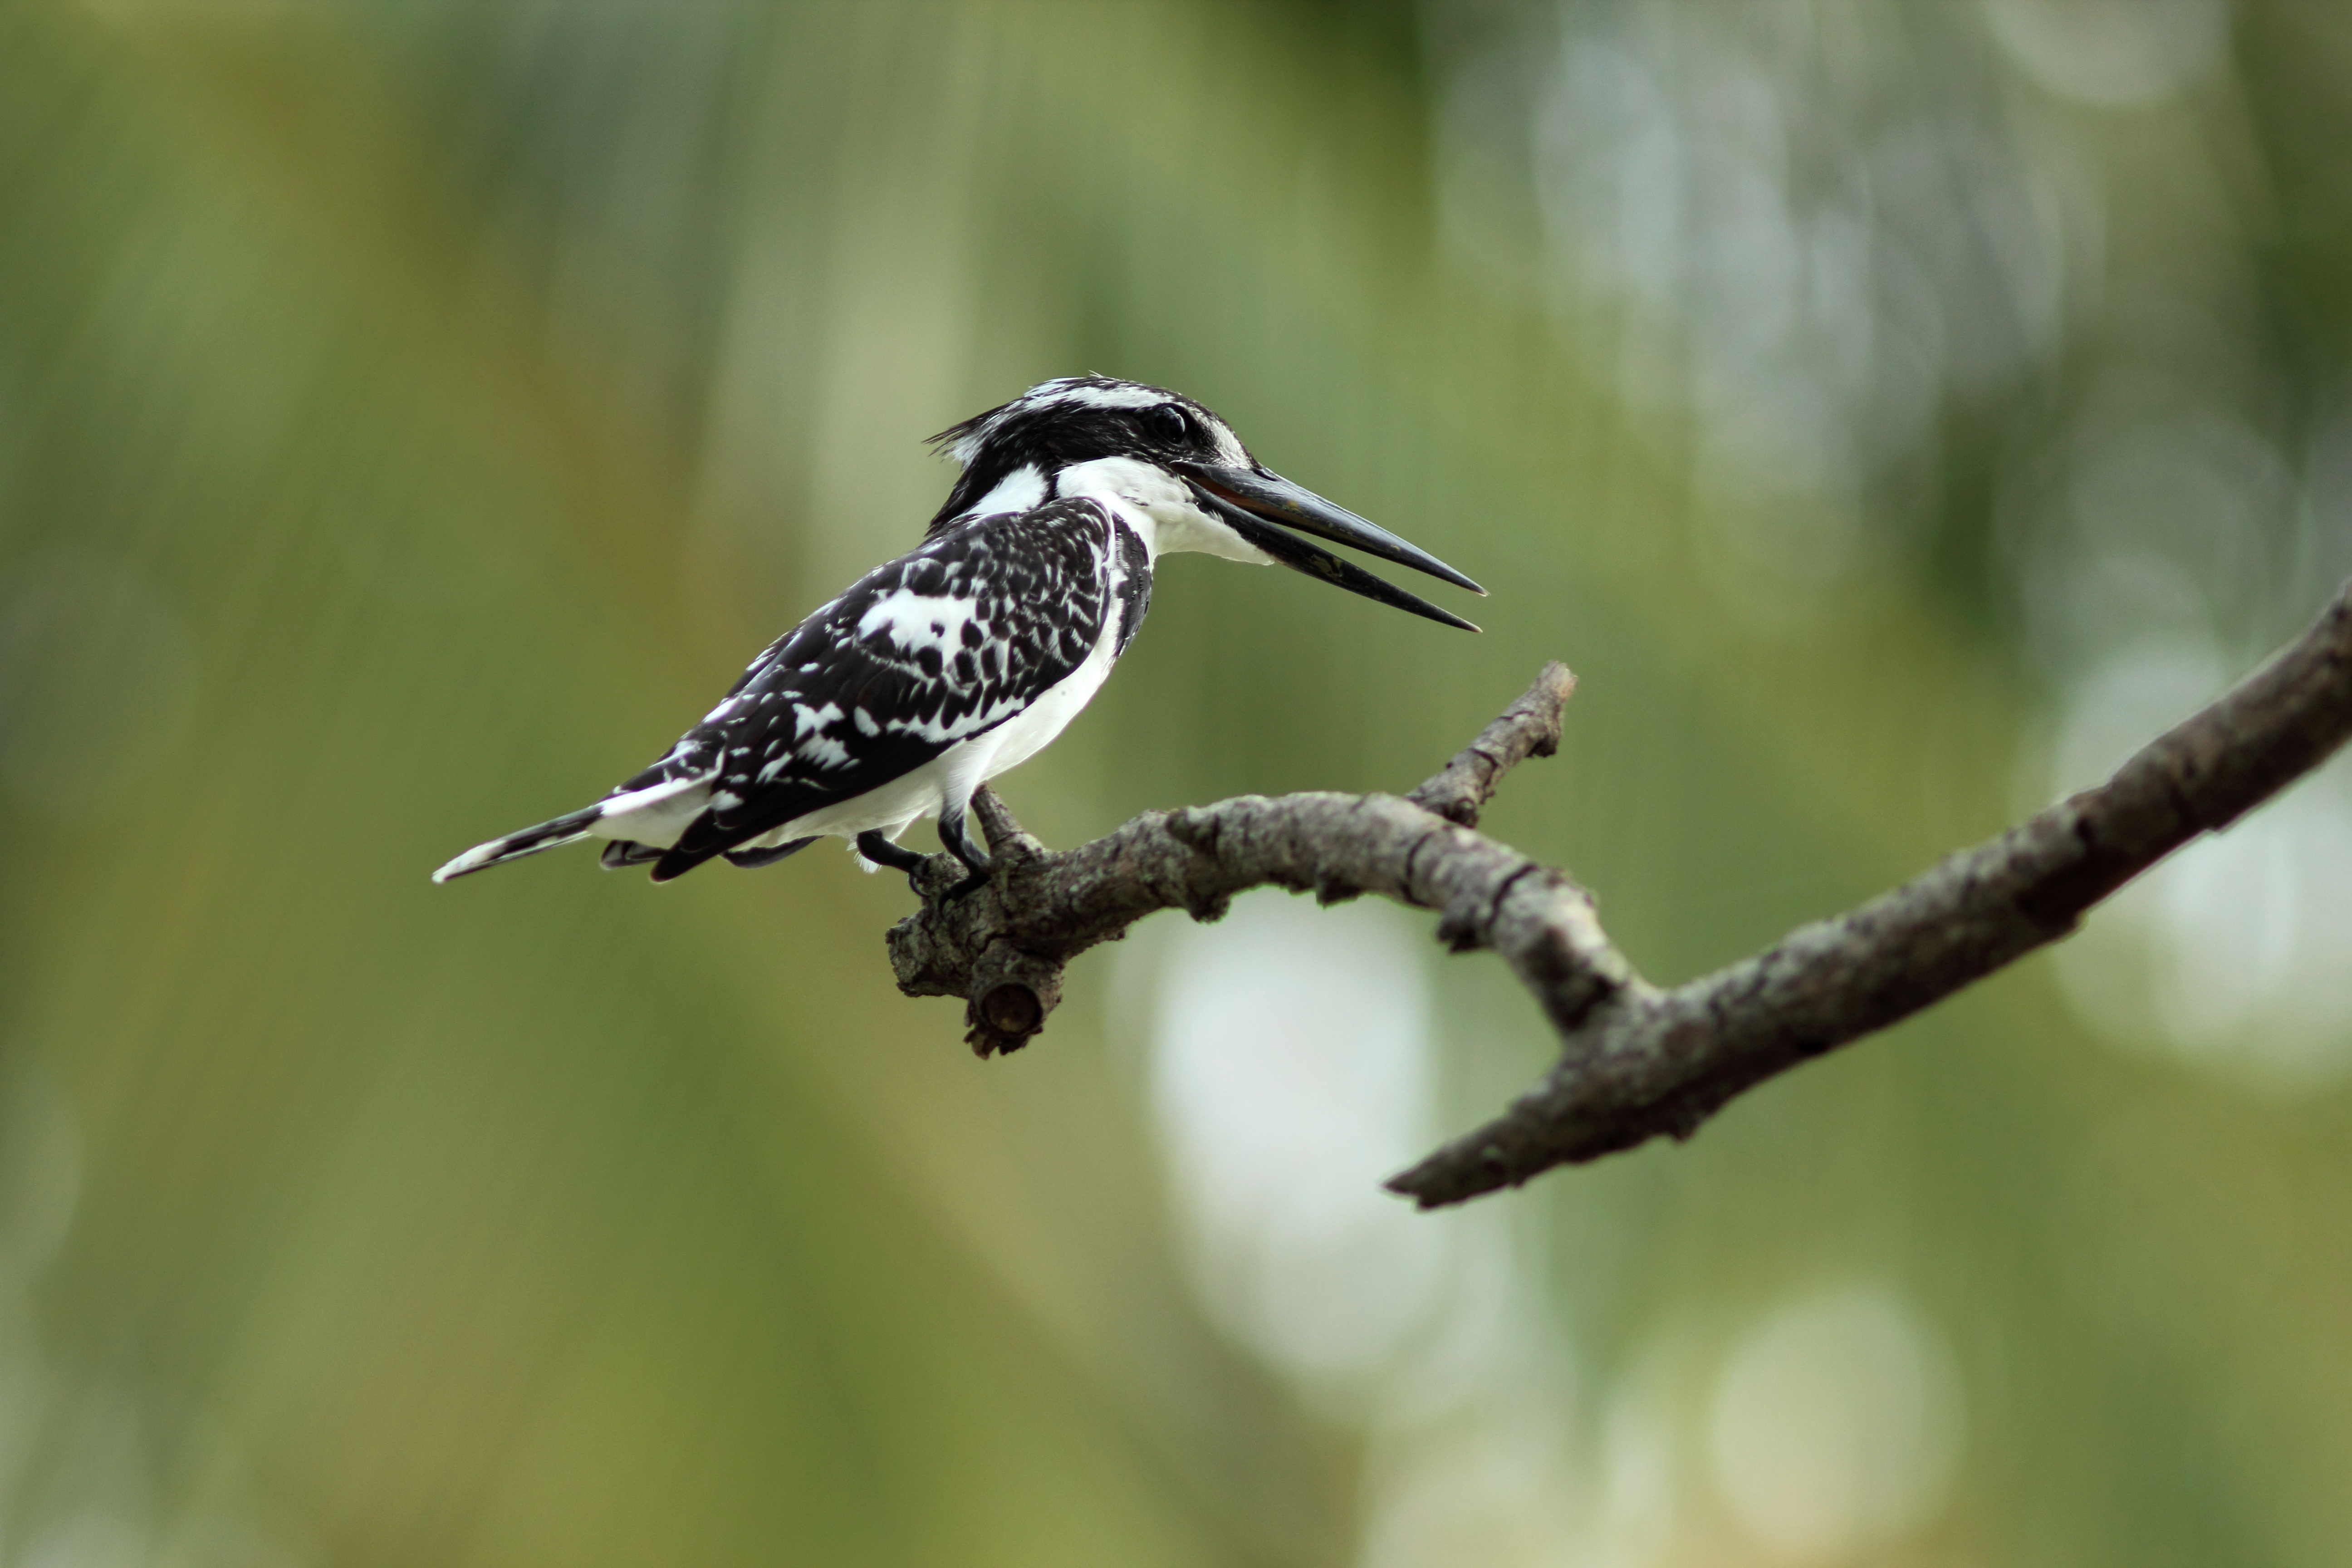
{"x": 1636, "y": 1061}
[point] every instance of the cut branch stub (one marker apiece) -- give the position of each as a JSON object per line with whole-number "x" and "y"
{"x": 1011, "y": 993}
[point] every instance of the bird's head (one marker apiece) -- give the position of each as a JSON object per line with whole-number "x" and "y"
{"x": 1176, "y": 461}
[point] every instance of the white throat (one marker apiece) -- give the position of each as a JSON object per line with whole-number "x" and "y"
{"x": 1159, "y": 507}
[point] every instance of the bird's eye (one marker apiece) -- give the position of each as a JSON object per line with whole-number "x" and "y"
{"x": 1169, "y": 423}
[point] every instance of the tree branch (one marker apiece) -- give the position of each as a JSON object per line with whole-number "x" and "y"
{"x": 1003, "y": 947}
{"x": 1527, "y": 728}
{"x": 1636, "y": 1062}
{"x": 1664, "y": 1062}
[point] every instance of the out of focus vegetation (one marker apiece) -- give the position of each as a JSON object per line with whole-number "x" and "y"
{"x": 412, "y": 412}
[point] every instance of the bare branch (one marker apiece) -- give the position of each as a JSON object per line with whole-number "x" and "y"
{"x": 1636, "y": 1062}
{"x": 1663, "y": 1062}
{"x": 1527, "y": 728}
{"x": 1003, "y": 947}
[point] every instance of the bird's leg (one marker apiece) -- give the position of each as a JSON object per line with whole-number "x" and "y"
{"x": 953, "y": 833}
{"x": 882, "y": 852}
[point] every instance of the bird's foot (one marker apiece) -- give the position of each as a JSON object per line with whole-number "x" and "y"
{"x": 882, "y": 852}
{"x": 975, "y": 860}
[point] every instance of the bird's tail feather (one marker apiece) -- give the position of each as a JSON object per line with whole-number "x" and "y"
{"x": 569, "y": 829}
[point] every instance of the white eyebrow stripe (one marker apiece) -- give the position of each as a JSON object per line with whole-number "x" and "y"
{"x": 1077, "y": 391}
{"x": 1106, "y": 397}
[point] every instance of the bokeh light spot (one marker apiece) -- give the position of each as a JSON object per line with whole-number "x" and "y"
{"x": 1835, "y": 1424}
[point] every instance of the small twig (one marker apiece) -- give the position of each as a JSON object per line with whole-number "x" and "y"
{"x": 1527, "y": 728}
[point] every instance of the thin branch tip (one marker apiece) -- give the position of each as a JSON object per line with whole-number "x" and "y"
{"x": 1643, "y": 1065}
{"x": 1529, "y": 727}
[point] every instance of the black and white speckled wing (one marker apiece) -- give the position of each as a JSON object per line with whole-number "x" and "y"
{"x": 937, "y": 647}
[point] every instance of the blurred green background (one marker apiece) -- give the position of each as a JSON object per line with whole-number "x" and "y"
{"x": 413, "y": 412}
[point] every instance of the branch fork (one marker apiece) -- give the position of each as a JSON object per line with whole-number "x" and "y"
{"x": 1636, "y": 1062}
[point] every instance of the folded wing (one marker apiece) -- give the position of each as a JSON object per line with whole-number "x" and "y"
{"x": 930, "y": 650}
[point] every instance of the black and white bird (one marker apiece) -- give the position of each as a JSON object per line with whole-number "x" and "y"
{"x": 963, "y": 657}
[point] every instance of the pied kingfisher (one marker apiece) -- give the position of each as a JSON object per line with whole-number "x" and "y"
{"x": 960, "y": 659}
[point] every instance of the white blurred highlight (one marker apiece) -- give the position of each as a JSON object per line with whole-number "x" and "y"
{"x": 1291, "y": 1067}
{"x": 1792, "y": 245}
{"x": 2234, "y": 955}
{"x": 2115, "y": 54}
{"x": 1493, "y": 1497}
{"x": 1835, "y": 1425}
{"x": 1290, "y": 1074}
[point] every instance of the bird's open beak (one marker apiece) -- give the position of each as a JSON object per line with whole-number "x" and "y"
{"x": 1252, "y": 502}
